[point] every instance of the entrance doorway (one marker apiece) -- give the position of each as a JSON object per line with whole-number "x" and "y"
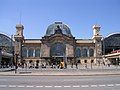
{"x": 55, "y": 61}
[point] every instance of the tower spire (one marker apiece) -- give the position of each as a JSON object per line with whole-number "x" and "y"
{"x": 20, "y": 17}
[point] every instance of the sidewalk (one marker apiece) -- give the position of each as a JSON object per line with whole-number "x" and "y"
{"x": 64, "y": 72}
{"x": 6, "y": 69}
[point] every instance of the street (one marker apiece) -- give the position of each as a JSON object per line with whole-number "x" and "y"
{"x": 60, "y": 82}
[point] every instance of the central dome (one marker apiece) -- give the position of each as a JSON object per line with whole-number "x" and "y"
{"x": 51, "y": 29}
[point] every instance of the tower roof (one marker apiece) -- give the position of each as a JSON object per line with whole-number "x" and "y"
{"x": 19, "y": 26}
{"x": 96, "y": 26}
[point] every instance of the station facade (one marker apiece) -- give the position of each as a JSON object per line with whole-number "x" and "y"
{"x": 58, "y": 44}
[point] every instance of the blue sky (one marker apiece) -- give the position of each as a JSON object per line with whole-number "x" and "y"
{"x": 79, "y": 15}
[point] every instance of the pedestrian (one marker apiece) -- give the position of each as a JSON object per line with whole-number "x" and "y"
{"x": 76, "y": 64}
{"x": 108, "y": 64}
{"x": 61, "y": 64}
{"x": 86, "y": 66}
{"x": 65, "y": 65}
{"x": 72, "y": 65}
{"x": 103, "y": 63}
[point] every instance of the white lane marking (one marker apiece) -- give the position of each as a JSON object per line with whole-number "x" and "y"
{"x": 29, "y": 86}
{"x": 39, "y": 86}
{"x": 3, "y": 85}
{"x": 57, "y": 86}
{"x": 93, "y": 85}
{"x": 117, "y": 84}
{"x": 102, "y": 85}
{"x": 67, "y": 86}
{"x": 20, "y": 86}
{"x": 12, "y": 86}
{"x": 48, "y": 86}
{"x": 110, "y": 85}
{"x": 76, "y": 86}
{"x": 84, "y": 85}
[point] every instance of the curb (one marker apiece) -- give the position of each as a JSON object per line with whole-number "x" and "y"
{"x": 58, "y": 74}
{"x": 7, "y": 70}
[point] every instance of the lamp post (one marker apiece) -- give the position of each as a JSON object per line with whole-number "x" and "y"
{"x": 16, "y": 62}
{"x": 119, "y": 59}
{"x": 0, "y": 56}
{"x": 12, "y": 51}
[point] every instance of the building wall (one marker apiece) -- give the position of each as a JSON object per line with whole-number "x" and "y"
{"x": 85, "y": 46}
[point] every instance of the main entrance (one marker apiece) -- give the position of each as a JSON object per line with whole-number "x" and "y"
{"x": 57, "y": 52}
{"x": 58, "y": 59}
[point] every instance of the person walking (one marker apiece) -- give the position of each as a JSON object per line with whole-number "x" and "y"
{"x": 76, "y": 64}
{"x": 62, "y": 64}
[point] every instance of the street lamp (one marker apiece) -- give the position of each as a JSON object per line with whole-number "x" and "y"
{"x": 0, "y": 56}
{"x": 16, "y": 61}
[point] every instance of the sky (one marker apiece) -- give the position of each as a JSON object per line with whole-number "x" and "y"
{"x": 79, "y": 15}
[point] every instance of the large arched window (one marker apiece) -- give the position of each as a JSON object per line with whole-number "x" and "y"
{"x": 30, "y": 52}
{"x": 78, "y": 53}
{"x": 84, "y": 52}
{"x": 24, "y": 52}
{"x": 6, "y": 43}
{"x": 57, "y": 49}
{"x": 91, "y": 52}
{"x": 37, "y": 52}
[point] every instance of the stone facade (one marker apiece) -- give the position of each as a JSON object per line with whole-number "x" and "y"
{"x": 58, "y": 44}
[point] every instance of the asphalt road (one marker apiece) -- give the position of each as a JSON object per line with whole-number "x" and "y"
{"x": 60, "y": 82}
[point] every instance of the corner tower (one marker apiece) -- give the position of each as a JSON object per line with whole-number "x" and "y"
{"x": 19, "y": 40}
{"x": 98, "y": 45}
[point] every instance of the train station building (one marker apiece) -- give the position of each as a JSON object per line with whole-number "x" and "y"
{"x": 58, "y": 44}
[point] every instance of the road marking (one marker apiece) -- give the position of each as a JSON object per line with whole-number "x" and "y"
{"x": 3, "y": 85}
{"x": 20, "y": 86}
{"x": 84, "y": 85}
{"x": 102, "y": 85}
{"x": 67, "y": 86}
{"x": 93, "y": 85}
{"x": 48, "y": 86}
{"x": 12, "y": 86}
{"x": 57, "y": 86}
{"x": 39, "y": 86}
{"x": 29, "y": 86}
{"x": 117, "y": 84}
{"x": 110, "y": 85}
{"x": 76, "y": 86}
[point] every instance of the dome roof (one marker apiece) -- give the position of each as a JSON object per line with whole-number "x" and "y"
{"x": 51, "y": 29}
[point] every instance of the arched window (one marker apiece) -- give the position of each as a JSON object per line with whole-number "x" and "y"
{"x": 37, "y": 52}
{"x": 30, "y": 52}
{"x": 78, "y": 52}
{"x": 6, "y": 44}
{"x": 24, "y": 52}
{"x": 84, "y": 52}
{"x": 91, "y": 52}
{"x": 57, "y": 49}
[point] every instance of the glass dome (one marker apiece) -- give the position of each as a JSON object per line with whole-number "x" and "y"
{"x": 51, "y": 29}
